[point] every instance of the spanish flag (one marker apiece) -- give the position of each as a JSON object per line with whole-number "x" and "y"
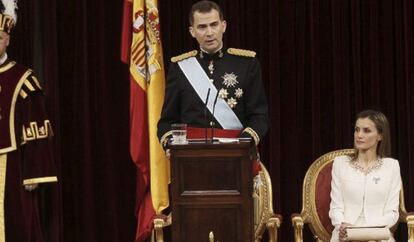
{"x": 141, "y": 48}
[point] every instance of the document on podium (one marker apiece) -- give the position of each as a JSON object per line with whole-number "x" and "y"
{"x": 220, "y": 140}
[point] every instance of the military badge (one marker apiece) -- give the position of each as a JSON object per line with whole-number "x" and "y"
{"x": 230, "y": 80}
{"x": 232, "y": 102}
{"x": 223, "y": 93}
{"x": 238, "y": 93}
{"x": 211, "y": 67}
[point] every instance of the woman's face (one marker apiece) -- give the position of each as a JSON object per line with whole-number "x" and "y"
{"x": 366, "y": 136}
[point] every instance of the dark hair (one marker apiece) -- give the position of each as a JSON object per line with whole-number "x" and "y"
{"x": 383, "y": 128}
{"x": 204, "y": 7}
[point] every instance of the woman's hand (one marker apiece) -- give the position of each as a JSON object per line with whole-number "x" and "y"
{"x": 342, "y": 231}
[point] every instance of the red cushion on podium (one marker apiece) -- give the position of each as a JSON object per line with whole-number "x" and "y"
{"x": 200, "y": 133}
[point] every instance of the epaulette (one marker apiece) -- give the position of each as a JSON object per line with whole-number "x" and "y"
{"x": 241, "y": 52}
{"x": 184, "y": 56}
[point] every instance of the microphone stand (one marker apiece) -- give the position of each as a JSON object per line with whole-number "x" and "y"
{"x": 205, "y": 114}
{"x": 212, "y": 122}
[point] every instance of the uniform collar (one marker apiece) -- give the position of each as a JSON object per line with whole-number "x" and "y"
{"x": 207, "y": 56}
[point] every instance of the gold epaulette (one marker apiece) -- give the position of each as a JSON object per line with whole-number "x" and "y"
{"x": 241, "y": 52}
{"x": 184, "y": 56}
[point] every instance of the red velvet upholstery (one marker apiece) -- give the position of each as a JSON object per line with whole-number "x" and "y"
{"x": 322, "y": 196}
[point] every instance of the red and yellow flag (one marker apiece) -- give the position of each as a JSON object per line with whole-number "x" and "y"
{"x": 141, "y": 47}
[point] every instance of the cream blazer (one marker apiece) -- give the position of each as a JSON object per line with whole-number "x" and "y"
{"x": 376, "y": 194}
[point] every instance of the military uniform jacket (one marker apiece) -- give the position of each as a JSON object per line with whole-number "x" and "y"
{"x": 237, "y": 76}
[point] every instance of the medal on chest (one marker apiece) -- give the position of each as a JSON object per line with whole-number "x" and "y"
{"x": 230, "y": 91}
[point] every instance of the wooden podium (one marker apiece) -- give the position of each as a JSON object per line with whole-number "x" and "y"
{"x": 212, "y": 187}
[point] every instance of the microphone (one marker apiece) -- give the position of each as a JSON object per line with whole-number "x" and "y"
{"x": 212, "y": 122}
{"x": 205, "y": 114}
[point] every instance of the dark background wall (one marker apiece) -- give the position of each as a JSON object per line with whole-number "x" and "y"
{"x": 322, "y": 62}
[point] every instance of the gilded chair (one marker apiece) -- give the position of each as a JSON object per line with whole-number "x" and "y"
{"x": 316, "y": 201}
{"x": 264, "y": 217}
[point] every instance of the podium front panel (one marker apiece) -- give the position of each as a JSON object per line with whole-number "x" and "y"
{"x": 211, "y": 191}
{"x": 210, "y": 175}
{"x": 211, "y": 218}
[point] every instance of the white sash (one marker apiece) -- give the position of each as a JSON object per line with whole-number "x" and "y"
{"x": 201, "y": 83}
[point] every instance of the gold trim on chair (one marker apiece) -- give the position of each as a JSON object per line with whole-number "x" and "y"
{"x": 264, "y": 215}
{"x": 309, "y": 214}
{"x": 297, "y": 223}
{"x": 159, "y": 223}
{"x": 410, "y": 226}
{"x": 405, "y": 217}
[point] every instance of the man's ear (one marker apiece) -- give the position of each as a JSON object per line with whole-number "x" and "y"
{"x": 224, "y": 23}
{"x": 191, "y": 30}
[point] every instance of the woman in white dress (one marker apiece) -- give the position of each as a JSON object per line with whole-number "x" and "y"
{"x": 365, "y": 187}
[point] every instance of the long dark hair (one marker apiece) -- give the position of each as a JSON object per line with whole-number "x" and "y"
{"x": 383, "y": 127}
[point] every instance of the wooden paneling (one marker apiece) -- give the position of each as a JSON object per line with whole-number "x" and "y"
{"x": 212, "y": 191}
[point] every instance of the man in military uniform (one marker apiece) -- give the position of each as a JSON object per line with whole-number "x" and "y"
{"x": 229, "y": 79}
{"x": 25, "y": 146}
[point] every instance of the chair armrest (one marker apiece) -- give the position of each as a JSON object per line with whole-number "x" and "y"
{"x": 297, "y": 223}
{"x": 161, "y": 221}
{"x": 410, "y": 226}
{"x": 272, "y": 225}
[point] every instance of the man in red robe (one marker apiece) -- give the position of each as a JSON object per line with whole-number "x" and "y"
{"x": 25, "y": 147}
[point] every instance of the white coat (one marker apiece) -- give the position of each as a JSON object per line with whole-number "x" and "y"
{"x": 375, "y": 194}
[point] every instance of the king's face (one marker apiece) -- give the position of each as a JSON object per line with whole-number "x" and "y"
{"x": 208, "y": 29}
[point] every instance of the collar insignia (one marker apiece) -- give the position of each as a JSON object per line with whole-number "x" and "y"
{"x": 211, "y": 67}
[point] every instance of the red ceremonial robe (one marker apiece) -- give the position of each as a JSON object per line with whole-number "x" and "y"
{"x": 25, "y": 153}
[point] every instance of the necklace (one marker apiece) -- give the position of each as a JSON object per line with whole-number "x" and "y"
{"x": 357, "y": 165}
